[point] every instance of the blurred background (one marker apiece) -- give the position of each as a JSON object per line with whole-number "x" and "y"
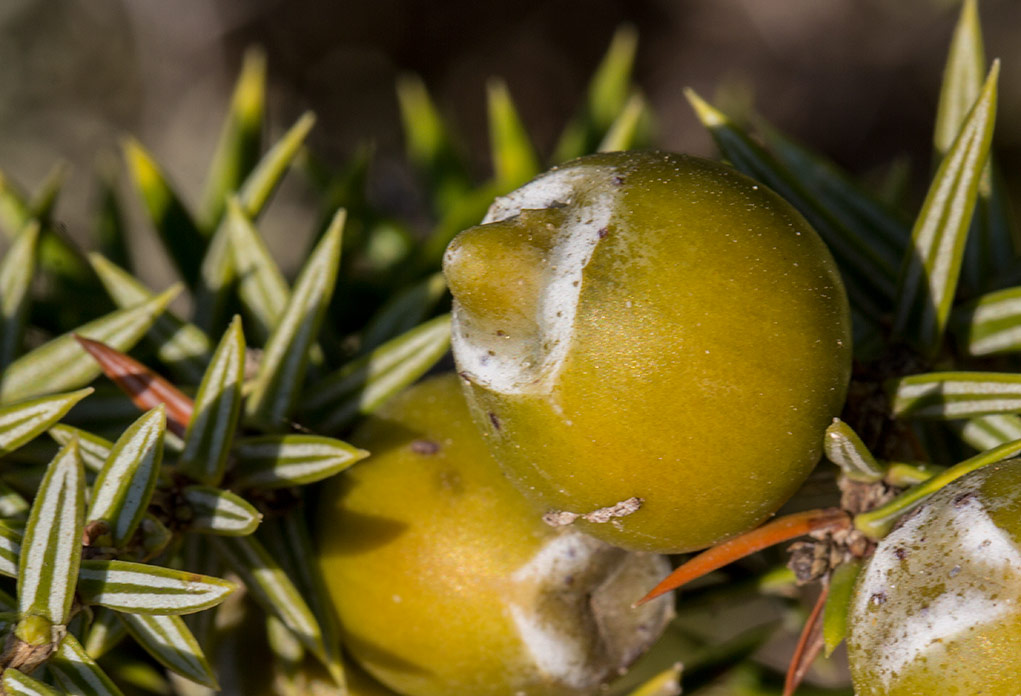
{"x": 857, "y": 79}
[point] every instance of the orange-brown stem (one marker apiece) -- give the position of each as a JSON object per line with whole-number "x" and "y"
{"x": 146, "y": 388}
{"x": 775, "y": 532}
{"x": 809, "y": 645}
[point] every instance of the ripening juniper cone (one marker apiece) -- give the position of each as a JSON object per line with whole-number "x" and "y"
{"x": 653, "y": 345}
{"x": 447, "y": 584}
{"x": 938, "y": 608}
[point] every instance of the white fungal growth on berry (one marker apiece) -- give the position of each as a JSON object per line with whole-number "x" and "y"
{"x": 945, "y": 574}
{"x": 528, "y": 356}
{"x": 570, "y": 614}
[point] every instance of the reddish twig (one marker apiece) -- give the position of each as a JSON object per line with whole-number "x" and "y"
{"x": 775, "y": 532}
{"x": 146, "y": 388}
{"x": 809, "y": 645}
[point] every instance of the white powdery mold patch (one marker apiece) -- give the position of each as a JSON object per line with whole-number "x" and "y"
{"x": 983, "y": 542}
{"x": 907, "y": 631}
{"x": 525, "y": 366}
{"x": 566, "y": 555}
{"x": 577, "y": 624}
{"x": 552, "y": 646}
{"x": 555, "y": 652}
{"x": 875, "y": 582}
{"x": 916, "y": 634}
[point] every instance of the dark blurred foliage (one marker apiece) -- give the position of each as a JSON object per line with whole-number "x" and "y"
{"x": 857, "y": 79}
